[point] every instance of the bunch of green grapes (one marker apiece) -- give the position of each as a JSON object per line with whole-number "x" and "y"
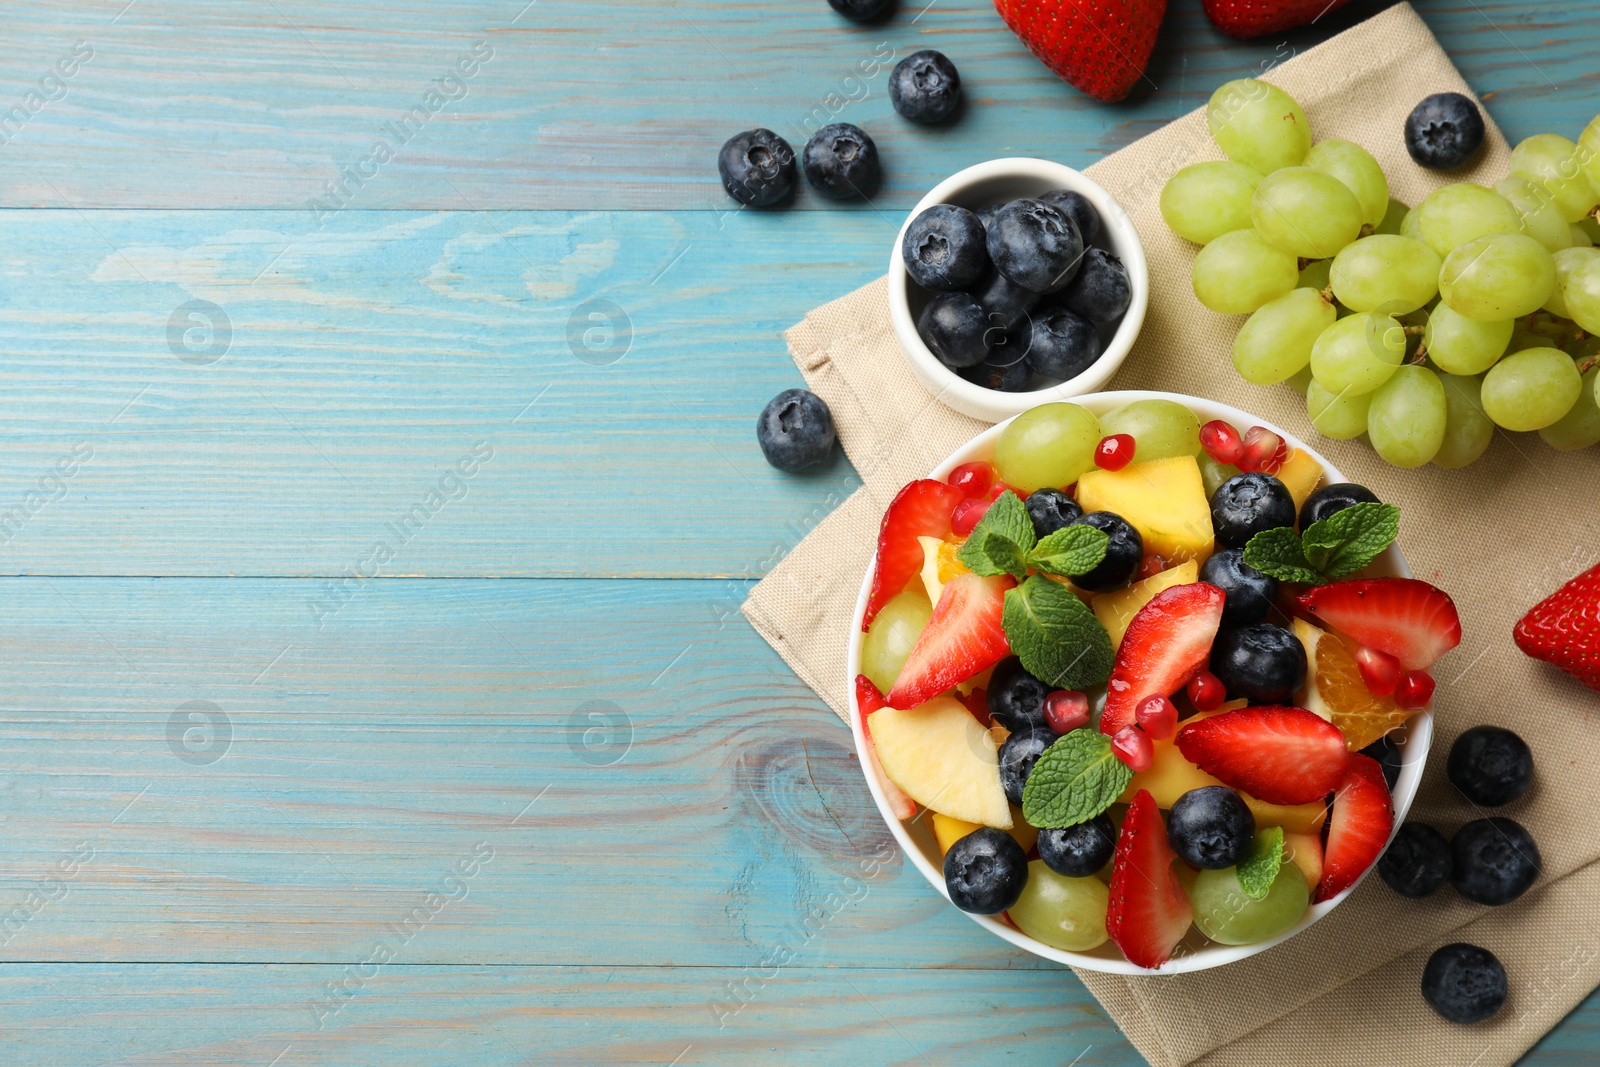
{"x": 1421, "y": 328}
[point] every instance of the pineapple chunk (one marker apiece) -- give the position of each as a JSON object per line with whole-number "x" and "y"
{"x": 944, "y": 759}
{"x": 1116, "y": 609}
{"x": 1164, "y": 499}
{"x": 1300, "y": 475}
{"x": 948, "y": 831}
{"x": 1305, "y": 851}
{"x": 1309, "y": 697}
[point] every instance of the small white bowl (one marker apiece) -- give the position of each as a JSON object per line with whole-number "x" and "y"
{"x": 994, "y": 182}
{"x": 1194, "y": 954}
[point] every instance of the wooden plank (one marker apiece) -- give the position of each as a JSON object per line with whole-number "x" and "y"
{"x": 285, "y": 103}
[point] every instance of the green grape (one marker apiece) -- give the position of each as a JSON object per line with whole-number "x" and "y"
{"x": 1064, "y": 913}
{"x": 1275, "y": 342}
{"x": 1567, "y": 260}
{"x": 1047, "y": 446}
{"x": 893, "y": 632}
{"x": 1580, "y": 290}
{"x": 1314, "y": 275}
{"x": 1552, "y": 161}
{"x": 1238, "y": 272}
{"x": 1498, "y": 277}
{"x": 1305, "y": 212}
{"x": 1588, "y": 155}
{"x": 1409, "y": 225}
{"x": 1580, "y": 237}
{"x": 1590, "y": 227}
{"x": 1407, "y": 418}
{"x": 1385, "y": 273}
{"x": 1213, "y": 474}
{"x": 1531, "y": 389}
{"x": 1580, "y": 427}
{"x": 1452, "y": 215}
{"x": 1394, "y": 217}
{"x": 1341, "y": 417}
{"x": 1540, "y": 219}
{"x": 1300, "y": 380}
{"x": 1355, "y": 167}
{"x": 1357, "y": 354}
{"x": 1206, "y": 200}
{"x": 1460, "y": 345}
{"x": 1467, "y": 430}
{"x": 1159, "y": 428}
{"x": 1258, "y": 125}
{"x": 1226, "y": 915}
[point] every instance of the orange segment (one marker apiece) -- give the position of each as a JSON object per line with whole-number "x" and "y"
{"x": 939, "y": 565}
{"x": 1340, "y": 691}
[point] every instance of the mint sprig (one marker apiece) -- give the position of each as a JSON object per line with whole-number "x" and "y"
{"x": 1000, "y": 542}
{"x": 1258, "y": 870}
{"x": 1075, "y": 779}
{"x": 1075, "y": 549}
{"x": 1326, "y": 551}
{"x": 1278, "y": 554}
{"x": 1058, "y": 639}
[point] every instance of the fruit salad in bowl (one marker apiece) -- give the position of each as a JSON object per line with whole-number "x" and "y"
{"x": 1142, "y": 684}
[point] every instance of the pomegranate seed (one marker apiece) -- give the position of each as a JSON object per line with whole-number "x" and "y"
{"x": 1263, "y": 451}
{"x": 1221, "y": 441}
{"x": 1072, "y": 490}
{"x": 1206, "y": 691}
{"x": 1152, "y": 564}
{"x": 1133, "y": 747}
{"x": 999, "y": 488}
{"x": 967, "y": 514}
{"x": 977, "y": 702}
{"x": 1066, "y": 710}
{"x": 973, "y": 479}
{"x": 1157, "y": 717}
{"x": 1115, "y": 452}
{"x": 1379, "y": 670}
{"x": 1414, "y": 690}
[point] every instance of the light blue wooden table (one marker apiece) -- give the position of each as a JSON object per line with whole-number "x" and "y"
{"x": 373, "y": 526}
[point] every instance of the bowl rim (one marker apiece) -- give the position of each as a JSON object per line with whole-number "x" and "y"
{"x": 968, "y": 398}
{"x": 1414, "y": 752}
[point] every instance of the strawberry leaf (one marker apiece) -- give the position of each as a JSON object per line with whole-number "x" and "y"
{"x": 1076, "y": 778}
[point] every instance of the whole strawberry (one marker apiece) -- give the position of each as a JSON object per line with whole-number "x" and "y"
{"x": 1564, "y": 628}
{"x": 1253, "y": 18}
{"x": 1098, "y": 46}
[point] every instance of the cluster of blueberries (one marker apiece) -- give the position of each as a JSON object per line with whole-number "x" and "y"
{"x": 1019, "y": 290}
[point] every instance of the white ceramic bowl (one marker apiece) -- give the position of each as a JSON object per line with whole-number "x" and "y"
{"x": 1194, "y": 954}
{"x": 998, "y": 181}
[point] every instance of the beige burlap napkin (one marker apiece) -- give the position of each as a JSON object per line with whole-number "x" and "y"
{"x": 1499, "y": 536}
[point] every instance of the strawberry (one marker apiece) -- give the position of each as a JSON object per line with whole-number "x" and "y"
{"x": 1256, "y": 18}
{"x": 1166, "y": 644}
{"x": 921, "y": 509}
{"x": 869, "y": 700}
{"x": 963, "y": 637}
{"x": 1411, "y": 620}
{"x": 1359, "y": 827}
{"x": 1098, "y": 46}
{"x": 1149, "y": 912}
{"x": 977, "y": 702}
{"x": 1564, "y": 628}
{"x": 1277, "y": 754}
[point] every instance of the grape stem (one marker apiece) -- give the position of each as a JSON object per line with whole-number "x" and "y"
{"x": 1586, "y": 365}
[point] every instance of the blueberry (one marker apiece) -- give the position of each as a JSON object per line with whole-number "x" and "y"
{"x": 861, "y": 10}
{"x": 985, "y": 871}
{"x": 1261, "y": 662}
{"x": 1016, "y": 698}
{"x": 757, "y": 167}
{"x": 1387, "y": 752}
{"x": 1417, "y": 861}
{"x": 1211, "y": 828}
{"x": 1464, "y": 983}
{"x": 1494, "y": 861}
{"x": 1050, "y": 510}
{"x": 1101, "y": 292}
{"x": 795, "y": 430}
{"x": 1018, "y": 754}
{"x": 955, "y": 328}
{"x": 1124, "y": 553}
{"x": 1079, "y": 851}
{"x": 1250, "y": 594}
{"x": 1035, "y": 244}
{"x": 1006, "y": 303}
{"x": 986, "y": 214}
{"x": 841, "y": 162}
{"x": 1333, "y": 498}
{"x": 944, "y": 249}
{"x": 1077, "y": 205}
{"x": 1490, "y": 766}
{"x": 998, "y": 374}
{"x": 1246, "y": 504}
{"x": 925, "y": 87}
{"x": 1062, "y": 344}
{"x": 1444, "y": 131}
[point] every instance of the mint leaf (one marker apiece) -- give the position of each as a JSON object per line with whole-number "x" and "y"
{"x": 1000, "y": 542}
{"x": 1057, "y": 638}
{"x": 1075, "y": 549}
{"x": 1259, "y": 869}
{"x": 1348, "y": 540}
{"x": 1277, "y": 553}
{"x": 1076, "y": 778}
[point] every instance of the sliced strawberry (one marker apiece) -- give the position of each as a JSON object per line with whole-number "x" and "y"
{"x": 1277, "y": 754}
{"x": 1414, "y": 622}
{"x": 1167, "y": 643}
{"x": 869, "y": 700}
{"x": 963, "y": 637}
{"x": 1359, "y": 827}
{"x": 1149, "y": 912}
{"x": 921, "y": 509}
{"x": 977, "y": 702}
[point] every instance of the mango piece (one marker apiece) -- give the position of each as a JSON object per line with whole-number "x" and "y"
{"x": 1305, "y": 851}
{"x": 948, "y": 831}
{"x": 939, "y": 565}
{"x": 944, "y": 759}
{"x": 1164, "y": 499}
{"x": 1116, "y": 609}
{"x": 1294, "y": 818}
{"x": 1300, "y": 475}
